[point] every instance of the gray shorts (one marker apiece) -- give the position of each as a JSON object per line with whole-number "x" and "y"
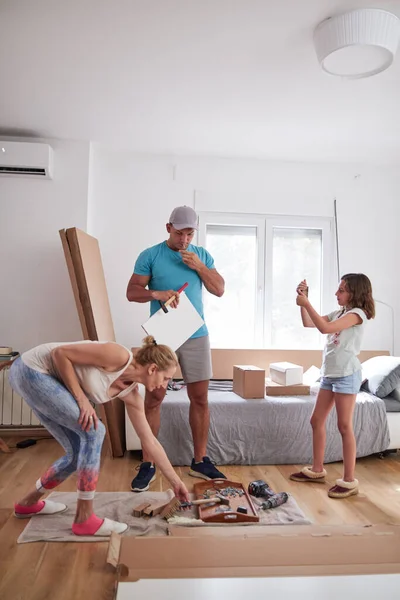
{"x": 195, "y": 359}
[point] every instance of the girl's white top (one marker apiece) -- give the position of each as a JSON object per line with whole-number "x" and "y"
{"x": 342, "y": 348}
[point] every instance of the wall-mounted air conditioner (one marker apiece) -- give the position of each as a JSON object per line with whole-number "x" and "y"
{"x": 26, "y": 159}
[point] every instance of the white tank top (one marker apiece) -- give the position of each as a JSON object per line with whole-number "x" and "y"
{"x": 94, "y": 381}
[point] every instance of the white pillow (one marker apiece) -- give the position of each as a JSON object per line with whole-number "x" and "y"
{"x": 381, "y": 375}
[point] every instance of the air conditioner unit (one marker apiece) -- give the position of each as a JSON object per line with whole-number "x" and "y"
{"x": 26, "y": 158}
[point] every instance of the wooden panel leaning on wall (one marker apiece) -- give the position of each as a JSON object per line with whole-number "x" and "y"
{"x": 85, "y": 268}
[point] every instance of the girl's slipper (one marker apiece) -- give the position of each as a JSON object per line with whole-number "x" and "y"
{"x": 307, "y": 474}
{"x": 343, "y": 489}
{"x": 43, "y": 507}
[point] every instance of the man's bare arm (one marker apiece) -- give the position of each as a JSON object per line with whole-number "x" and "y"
{"x": 137, "y": 291}
{"x": 213, "y": 281}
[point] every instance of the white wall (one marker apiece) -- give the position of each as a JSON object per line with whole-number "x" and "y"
{"x": 132, "y": 196}
{"x": 36, "y": 299}
{"x": 126, "y": 203}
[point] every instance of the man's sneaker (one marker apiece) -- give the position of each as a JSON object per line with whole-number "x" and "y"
{"x": 142, "y": 481}
{"x": 205, "y": 470}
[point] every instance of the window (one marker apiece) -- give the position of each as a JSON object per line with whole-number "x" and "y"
{"x": 238, "y": 305}
{"x": 262, "y": 259}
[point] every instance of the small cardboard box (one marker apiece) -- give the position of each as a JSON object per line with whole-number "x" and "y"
{"x": 275, "y": 389}
{"x": 249, "y": 381}
{"x": 286, "y": 373}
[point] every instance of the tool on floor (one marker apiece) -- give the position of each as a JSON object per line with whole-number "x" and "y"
{"x": 240, "y": 509}
{"x": 171, "y": 509}
{"x": 217, "y": 499}
{"x": 275, "y": 501}
{"x": 175, "y": 505}
{"x": 261, "y": 489}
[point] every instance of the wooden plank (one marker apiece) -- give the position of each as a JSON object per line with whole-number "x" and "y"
{"x": 155, "y": 508}
{"x": 73, "y": 269}
{"x": 74, "y": 282}
{"x": 83, "y": 290}
{"x": 349, "y": 548}
{"x": 85, "y": 267}
{"x": 86, "y": 256}
{"x": 139, "y": 510}
{"x": 114, "y": 547}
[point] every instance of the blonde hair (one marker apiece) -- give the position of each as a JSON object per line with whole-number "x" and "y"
{"x": 158, "y": 354}
{"x": 360, "y": 289}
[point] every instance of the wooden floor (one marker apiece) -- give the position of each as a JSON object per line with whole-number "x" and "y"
{"x": 63, "y": 571}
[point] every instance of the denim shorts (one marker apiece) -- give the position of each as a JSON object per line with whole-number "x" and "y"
{"x": 342, "y": 385}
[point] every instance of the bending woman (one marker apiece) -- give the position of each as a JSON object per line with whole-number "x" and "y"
{"x": 59, "y": 381}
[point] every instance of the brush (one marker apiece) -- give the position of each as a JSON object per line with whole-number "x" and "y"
{"x": 175, "y": 505}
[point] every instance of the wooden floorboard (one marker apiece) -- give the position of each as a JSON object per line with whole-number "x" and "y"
{"x": 61, "y": 571}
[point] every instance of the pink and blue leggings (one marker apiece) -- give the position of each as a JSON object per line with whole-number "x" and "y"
{"x": 58, "y": 411}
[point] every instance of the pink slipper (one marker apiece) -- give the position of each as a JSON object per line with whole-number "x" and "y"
{"x": 96, "y": 526}
{"x": 44, "y": 507}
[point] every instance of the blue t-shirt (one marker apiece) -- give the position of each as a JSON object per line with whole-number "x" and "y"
{"x": 167, "y": 271}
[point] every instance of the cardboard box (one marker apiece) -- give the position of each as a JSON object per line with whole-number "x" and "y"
{"x": 249, "y": 381}
{"x": 275, "y": 389}
{"x": 286, "y": 373}
{"x": 278, "y": 551}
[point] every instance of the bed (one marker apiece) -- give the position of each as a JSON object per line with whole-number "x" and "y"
{"x": 273, "y": 430}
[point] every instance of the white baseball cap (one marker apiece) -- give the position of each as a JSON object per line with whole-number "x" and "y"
{"x": 184, "y": 217}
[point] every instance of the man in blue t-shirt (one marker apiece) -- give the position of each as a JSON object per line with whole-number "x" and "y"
{"x": 159, "y": 272}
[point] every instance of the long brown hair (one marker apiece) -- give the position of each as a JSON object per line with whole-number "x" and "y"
{"x": 360, "y": 289}
{"x": 158, "y": 354}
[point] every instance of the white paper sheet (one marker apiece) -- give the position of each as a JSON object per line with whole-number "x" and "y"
{"x": 176, "y": 326}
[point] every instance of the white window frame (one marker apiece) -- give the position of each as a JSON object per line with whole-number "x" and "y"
{"x": 264, "y": 225}
{"x": 254, "y": 221}
{"x": 320, "y": 223}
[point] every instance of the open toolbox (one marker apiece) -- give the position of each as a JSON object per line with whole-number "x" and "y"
{"x": 240, "y": 509}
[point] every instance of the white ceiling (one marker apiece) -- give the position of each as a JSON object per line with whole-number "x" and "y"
{"x": 215, "y": 77}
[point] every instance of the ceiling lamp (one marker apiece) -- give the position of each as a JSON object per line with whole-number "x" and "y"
{"x": 359, "y": 43}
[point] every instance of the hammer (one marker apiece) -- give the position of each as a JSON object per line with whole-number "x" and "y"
{"x": 217, "y": 499}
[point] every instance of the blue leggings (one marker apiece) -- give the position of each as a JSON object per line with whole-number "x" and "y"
{"x": 58, "y": 411}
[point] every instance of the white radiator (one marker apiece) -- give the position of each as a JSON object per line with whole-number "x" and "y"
{"x": 14, "y": 412}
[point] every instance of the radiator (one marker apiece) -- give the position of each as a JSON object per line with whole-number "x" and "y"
{"x": 14, "y": 412}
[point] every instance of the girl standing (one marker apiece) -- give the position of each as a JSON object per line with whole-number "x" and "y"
{"x": 340, "y": 375}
